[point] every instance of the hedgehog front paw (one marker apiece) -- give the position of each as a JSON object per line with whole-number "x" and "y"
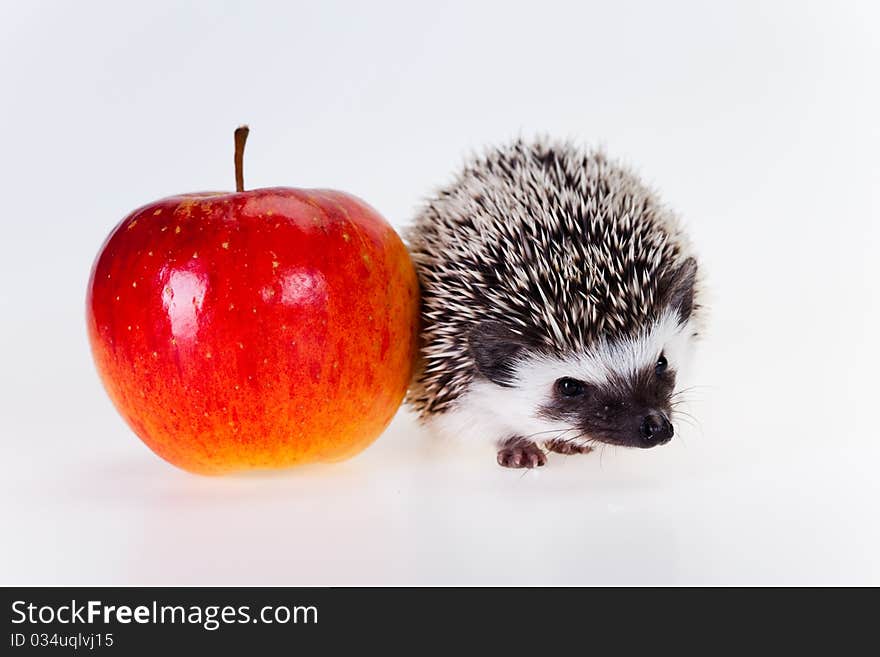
{"x": 567, "y": 447}
{"x": 521, "y": 454}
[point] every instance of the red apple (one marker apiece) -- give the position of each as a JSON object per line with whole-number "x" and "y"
{"x": 255, "y": 329}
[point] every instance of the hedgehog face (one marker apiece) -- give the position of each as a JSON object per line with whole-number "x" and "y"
{"x": 618, "y": 391}
{"x": 632, "y": 411}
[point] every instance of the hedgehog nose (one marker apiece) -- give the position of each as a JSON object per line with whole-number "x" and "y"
{"x": 655, "y": 430}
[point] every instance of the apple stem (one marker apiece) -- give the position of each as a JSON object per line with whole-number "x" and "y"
{"x": 241, "y": 135}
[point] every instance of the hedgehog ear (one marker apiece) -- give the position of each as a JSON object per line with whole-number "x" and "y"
{"x": 495, "y": 349}
{"x": 678, "y": 292}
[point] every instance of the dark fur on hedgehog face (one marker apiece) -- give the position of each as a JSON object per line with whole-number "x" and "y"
{"x": 630, "y": 411}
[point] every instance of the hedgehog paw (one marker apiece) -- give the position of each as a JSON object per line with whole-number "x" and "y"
{"x": 521, "y": 454}
{"x": 567, "y": 447}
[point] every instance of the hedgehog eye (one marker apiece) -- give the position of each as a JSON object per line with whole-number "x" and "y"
{"x": 569, "y": 387}
{"x": 662, "y": 364}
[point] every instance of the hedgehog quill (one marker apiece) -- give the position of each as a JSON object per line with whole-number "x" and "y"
{"x": 560, "y": 302}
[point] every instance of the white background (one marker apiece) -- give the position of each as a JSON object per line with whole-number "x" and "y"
{"x": 758, "y": 121}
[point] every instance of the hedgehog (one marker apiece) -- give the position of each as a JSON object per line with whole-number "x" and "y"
{"x": 560, "y": 303}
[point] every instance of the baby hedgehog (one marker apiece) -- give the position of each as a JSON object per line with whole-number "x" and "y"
{"x": 559, "y": 301}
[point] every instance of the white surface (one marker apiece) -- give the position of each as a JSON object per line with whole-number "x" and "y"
{"x": 758, "y": 121}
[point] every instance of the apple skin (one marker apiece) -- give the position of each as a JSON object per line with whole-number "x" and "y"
{"x": 258, "y": 329}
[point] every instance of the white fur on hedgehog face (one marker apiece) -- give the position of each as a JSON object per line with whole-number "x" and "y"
{"x": 495, "y": 413}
